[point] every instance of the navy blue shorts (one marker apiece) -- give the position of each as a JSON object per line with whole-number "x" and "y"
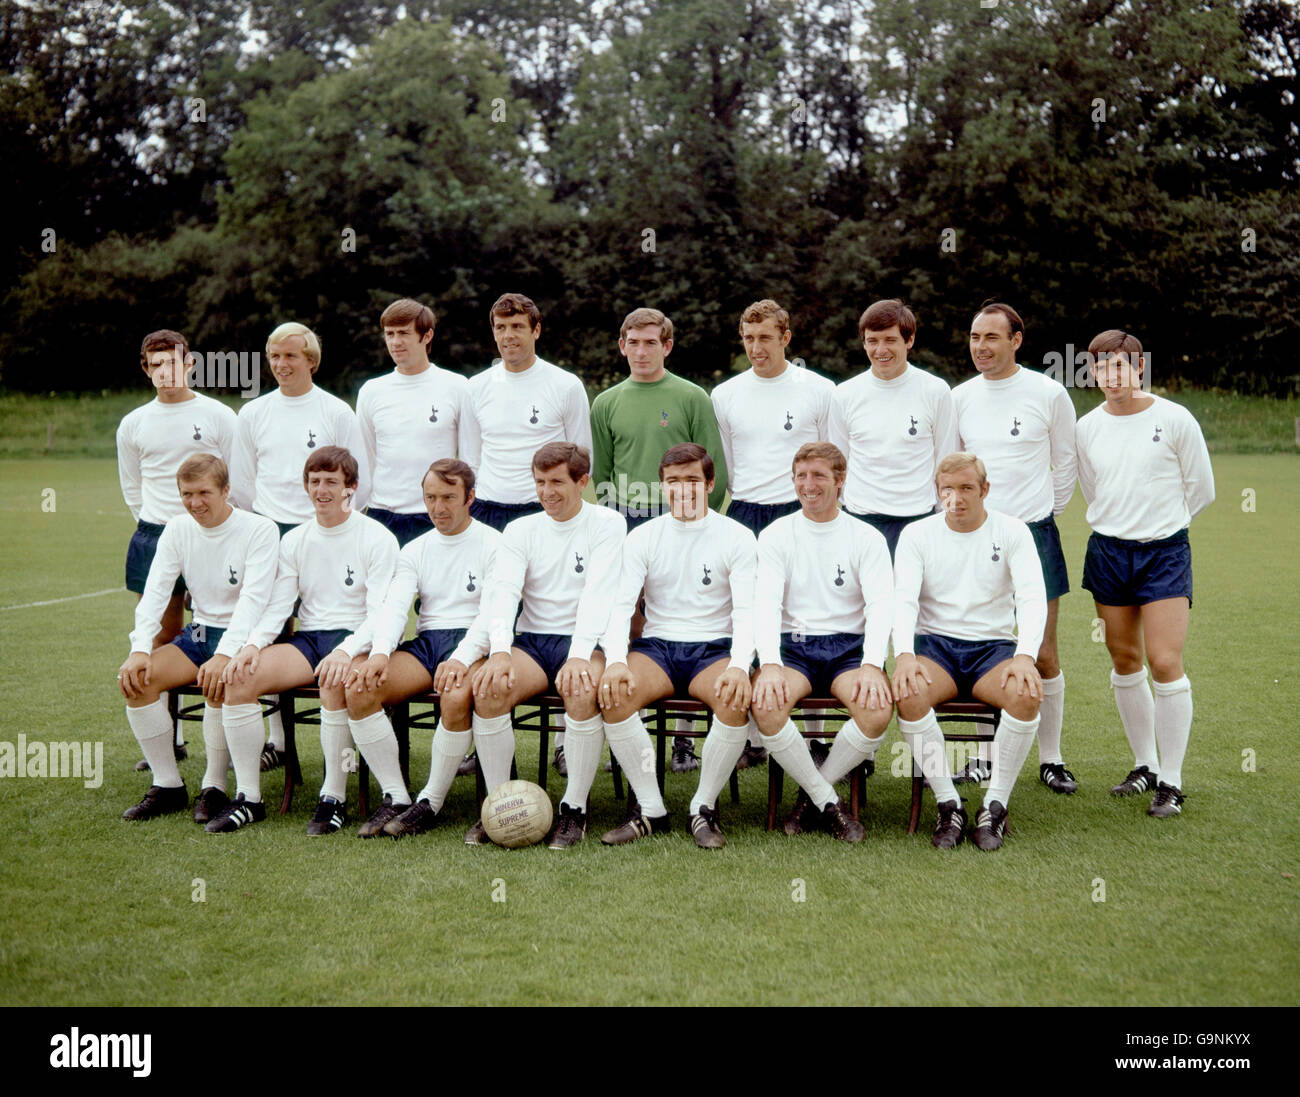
{"x": 889, "y": 526}
{"x": 1047, "y": 539}
{"x": 548, "y": 650}
{"x": 1133, "y": 573}
{"x": 500, "y": 515}
{"x": 405, "y": 527}
{"x": 682, "y": 660}
{"x": 198, "y": 643}
{"x": 139, "y": 557}
{"x": 315, "y": 644}
{"x": 966, "y": 661}
{"x": 822, "y": 659}
{"x": 756, "y": 517}
{"x": 432, "y": 646}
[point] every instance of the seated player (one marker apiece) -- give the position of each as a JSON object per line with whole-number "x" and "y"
{"x": 1145, "y": 474}
{"x": 446, "y": 569}
{"x": 970, "y": 608}
{"x": 340, "y": 564}
{"x": 823, "y": 608}
{"x": 697, "y": 568}
{"x": 564, "y": 563}
{"x": 227, "y": 558}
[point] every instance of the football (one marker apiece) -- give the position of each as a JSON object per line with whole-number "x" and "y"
{"x": 517, "y": 813}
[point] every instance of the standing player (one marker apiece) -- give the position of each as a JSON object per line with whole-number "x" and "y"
{"x": 697, "y": 570}
{"x": 970, "y": 607}
{"x": 1145, "y": 474}
{"x": 563, "y": 563}
{"x": 823, "y": 608}
{"x": 633, "y": 424}
{"x": 764, "y": 415}
{"x": 227, "y": 558}
{"x": 417, "y": 414}
{"x": 277, "y": 433}
{"x": 339, "y": 565}
{"x": 1022, "y": 426}
{"x": 521, "y": 403}
{"x": 153, "y": 441}
{"x": 446, "y": 569}
{"x": 894, "y": 423}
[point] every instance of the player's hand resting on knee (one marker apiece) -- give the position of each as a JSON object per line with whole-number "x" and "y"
{"x": 449, "y": 675}
{"x": 243, "y": 666}
{"x": 871, "y": 687}
{"x": 496, "y": 677}
{"x": 574, "y": 678}
{"x": 1022, "y": 671}
{"x": 333, "y": 669}
{"x": 732, "y": 688}
{"x": 210, "y": 679}
{"x": 133, "y": 675}
{"x": 771, "y": 694}
{"x": 370, "y": 675}
{"x": 616, "y": 685}
{"x": 910, "y": 678}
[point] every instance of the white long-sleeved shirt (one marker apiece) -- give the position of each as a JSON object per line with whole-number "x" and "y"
{"x": 517, "y": 414}
{"x": 894, "y": 433}
{"x": 982, "y": 585}
{"x": 449, "y": 573}
{"x": 341, "y": 573}
{"x": 153, "y": 441}
{"x": 699, "y": 585}
{"x": 276, "y": 435}
{"x": 821, "y": 578}
{"x": 563, "y": 571}
{"x": 763, "y": 422}
{"x": 1022, "y": 428}
{"x": 1144, "y": 476}
{"x": 407, "y": 423}
{"x": 229, "y": 571}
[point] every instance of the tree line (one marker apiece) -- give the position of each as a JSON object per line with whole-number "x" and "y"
{"x": 220, "y": 166}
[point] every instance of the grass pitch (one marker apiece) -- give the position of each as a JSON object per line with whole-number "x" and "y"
{"x": 1089, "y": 903}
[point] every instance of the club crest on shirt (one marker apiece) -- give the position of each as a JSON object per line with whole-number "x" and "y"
{"x": 996, "y": 549}
{"x": 1156, "y": 437}
{"x": 663, "y": 418}
{"x": 534, "y": 419}
{"x": 578, "y": 564}
{"x": 912, "y": 429}
{"x": 470, "y": 585}
{"x": 311, "y": 439}
{"x": 789, "y": 421}
{"x": 1015, "y": 427}
{"x": 433, "y": 418}
{"x": 349, "y": 580}
{"x": 839, "y": 576}
{"x": 234, "y": 579}
{"x": 706, "y": 580}
{"x": 198, "y": 435}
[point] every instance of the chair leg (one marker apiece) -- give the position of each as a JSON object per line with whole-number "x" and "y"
{"x": 363, "y": 786}
{"x": 735, "y": 786}
{"x": 916, "y": 802}
{"x": 292, "y": 769}
{"x": 773, "y": 796}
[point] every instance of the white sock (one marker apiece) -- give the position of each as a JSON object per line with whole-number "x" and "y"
{"x": 214, "y": 746}
{"x": 850, "y": 748}
{"x": 449, "y": 747}
{"x": 494, "y": 740}
{"x": 684, "y": 725}
{"x": 559, "y": 739}
{"x": 929, "y": 752}
{"x": 243, "y": 727}
{"x": 984, "y": 748}
{"x": 378, "y": 745}
{"x": 722, "y": 749}
{"x": 335, "y": 738}
{"x": 152, "y": 727}
{"x": 788, "y": 747}
{"x": 1051, "y": 713}
{"x": 1137, "y": 712}
{"x": 814, "y": 726}
{"x": 1012, "y": 748}
{"x": 584, "y": 744}
{"x": 275, "y": 728}
{"x": 1173, "y": 720}
{"x": 630, "y": 744}
{"x": 755, "y": 736}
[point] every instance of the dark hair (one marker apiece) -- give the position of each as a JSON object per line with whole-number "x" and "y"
{"x": 332, "y": 459}
{"x": 1013, "y": 317}
{"x": 515, "y": 304}
{"x": 163, "y": 339}
{"x": 683, "y": 454}
{"x": 1113, "y": 341}
{"x": 575, "y": 458}
{"x": 822, "y": 451}
{"x": 766, "y": 309}
{"x": 407, "y": 311}
{"x": 884, "y": 315}
{"x": 449, "y": 470}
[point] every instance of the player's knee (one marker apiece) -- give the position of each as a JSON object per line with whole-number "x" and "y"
{"x": 619, "y": 711}
{"x": 873, "y": 721}
{"x": 1021, "y": 706}
{"x": 1166, "y": 666}
{"x": 769, "y": 722}
{"x": 913, "y": 707}
{"x": 581, "y": 706}
{"x": 731, "y": 715}
{"x": 490, "y": 707}
{"x": 362, "y": 704}
{"x": 237, "y": 694}
{"x": 456, "y": 704}
{"x": 333, "y": 698}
